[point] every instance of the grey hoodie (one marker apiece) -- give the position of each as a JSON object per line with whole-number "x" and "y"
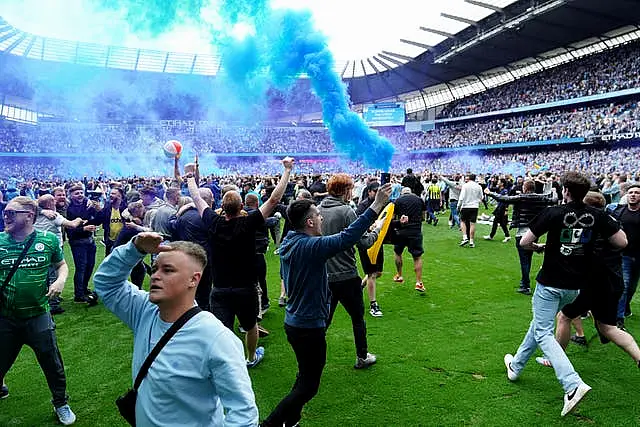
{"x": 337, "y": 215}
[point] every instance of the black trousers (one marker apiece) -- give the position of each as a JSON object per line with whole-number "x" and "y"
{"x": 261, "y": 270}
{"x": 349, "y": 293}
{"x": 39, "y": 334}
{"x": 310, "y": 347}
{"x": 203, "y": 292}
{"x": 501, "y": 220}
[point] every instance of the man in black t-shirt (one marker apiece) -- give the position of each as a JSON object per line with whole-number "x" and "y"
{"x": 600, "y": 295}
{"x": 232, "y": 237}
{"x": 629, "y": 217}
{"x": 409, "y": 209}
{"x": 571, "y": 230}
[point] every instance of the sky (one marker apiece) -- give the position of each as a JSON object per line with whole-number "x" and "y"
{"x": 357, "y": 29}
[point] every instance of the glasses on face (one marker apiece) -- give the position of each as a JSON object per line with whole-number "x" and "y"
{"x": 11, "y": 213}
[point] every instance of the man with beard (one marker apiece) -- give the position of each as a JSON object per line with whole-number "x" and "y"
{"x": 83, "y": 246}
{"x": 629, "y": 217}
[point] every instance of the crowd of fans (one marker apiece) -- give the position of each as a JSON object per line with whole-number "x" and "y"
{"x": 122, "y": 139}
{"x": 18, "y": 172}
{"x": 606, "y": 72}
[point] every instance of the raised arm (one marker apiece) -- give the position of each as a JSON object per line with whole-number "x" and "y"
{"x": 268, "y": 206}
{"x": 121, "y": 297}
{"x": 176, "y": 169}
{"x": 201, "y": 205}
{"x": 328, "y": 246}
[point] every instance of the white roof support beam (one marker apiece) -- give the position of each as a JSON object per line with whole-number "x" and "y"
{"x": 485, "y": 6}
{"x": 397, "y": 55}
{"x": 460, "y": 19}
{"x": 373, "y": 65}
{"x": 438, "y": 32}
{"x": 417, "y": 44}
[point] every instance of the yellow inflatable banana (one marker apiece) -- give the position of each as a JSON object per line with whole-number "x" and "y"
{"x": 386, "y": 216}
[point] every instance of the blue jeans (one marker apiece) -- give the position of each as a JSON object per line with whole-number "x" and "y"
{"x": 630, "y": 275}
{"x": 84, "y": 259}
{"x": 525, "y": 257}
{"x": 547, "y": 301}
{"x": 453, "y": 204}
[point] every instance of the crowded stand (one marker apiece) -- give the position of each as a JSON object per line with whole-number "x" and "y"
{"x": 203, "y": 137}
{"x": 609, "y": 71}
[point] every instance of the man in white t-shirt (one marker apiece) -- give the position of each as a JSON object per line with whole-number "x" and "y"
{"x": 470, "y": 198}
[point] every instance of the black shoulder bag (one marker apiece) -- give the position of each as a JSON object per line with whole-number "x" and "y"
{"x": 16, "y": 265}
{"x": 127, "y": 402}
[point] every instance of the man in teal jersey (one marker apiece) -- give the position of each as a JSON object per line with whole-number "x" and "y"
{"x": 24, "y": 301}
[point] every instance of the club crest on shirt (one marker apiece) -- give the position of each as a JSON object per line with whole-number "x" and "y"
{"x": 39, "y": 247}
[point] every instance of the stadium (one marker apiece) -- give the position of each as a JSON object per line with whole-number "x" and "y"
{"x": 503, "y": 91}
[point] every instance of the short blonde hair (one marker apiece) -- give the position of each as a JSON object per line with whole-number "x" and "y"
{"x": 26, "y": 204}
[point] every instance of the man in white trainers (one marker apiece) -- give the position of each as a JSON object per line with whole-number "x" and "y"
{"x": 344, "y": 282}
{"x": 24, "y": 299}
{"x": 571, "y": 230}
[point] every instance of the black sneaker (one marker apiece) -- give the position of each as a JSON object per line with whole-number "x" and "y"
{"x": 581, "y": 341}
{"x": 80, "y": 300}
{"x": 435, "y": 222}
{"x": 524, "y": 291}
{"x": 91, "y": 299}
{"x": 57, "y": 310}
{"x": 4, "y": 392}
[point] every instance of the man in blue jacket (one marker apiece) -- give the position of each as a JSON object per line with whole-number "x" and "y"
{"x": 303, "y": 262}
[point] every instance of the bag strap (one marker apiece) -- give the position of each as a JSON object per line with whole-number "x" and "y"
{"x": 163, "y": 341}
{"x": 16, "y": 265}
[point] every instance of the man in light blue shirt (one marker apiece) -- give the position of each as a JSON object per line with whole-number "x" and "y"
{"x": 200, "y": 377}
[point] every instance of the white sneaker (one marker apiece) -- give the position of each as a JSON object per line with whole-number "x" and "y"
{"x": 574, "y": 397}
{"x": 375, "y": 310}
{"x": 65, "y": 415}
{"x": 366, "y": 362}
{"x": 544, "y": 362}
{"x": 487, "y": 237}
{"x": 506, "y": 239}
{"x": 511, "y": 374}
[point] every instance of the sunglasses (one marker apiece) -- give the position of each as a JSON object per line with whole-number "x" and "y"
{"x": 11, "y": 214}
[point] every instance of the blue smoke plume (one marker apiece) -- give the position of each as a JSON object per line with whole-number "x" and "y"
{"x": 283, "y": 45}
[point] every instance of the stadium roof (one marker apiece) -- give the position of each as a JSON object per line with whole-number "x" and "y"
{"x": 360, "y": 34}
{"x": 468, "y": 39}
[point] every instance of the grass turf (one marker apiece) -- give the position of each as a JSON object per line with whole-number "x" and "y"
{"x": 439, "y": 355}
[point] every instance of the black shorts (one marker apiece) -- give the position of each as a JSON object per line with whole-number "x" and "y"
{"x": 229, "y": 303}
{"x": 369, "y": 268}
{"x": 469, "y": 214}
{"x": 413, "y": 242}
{"x": 601, "y": 298}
